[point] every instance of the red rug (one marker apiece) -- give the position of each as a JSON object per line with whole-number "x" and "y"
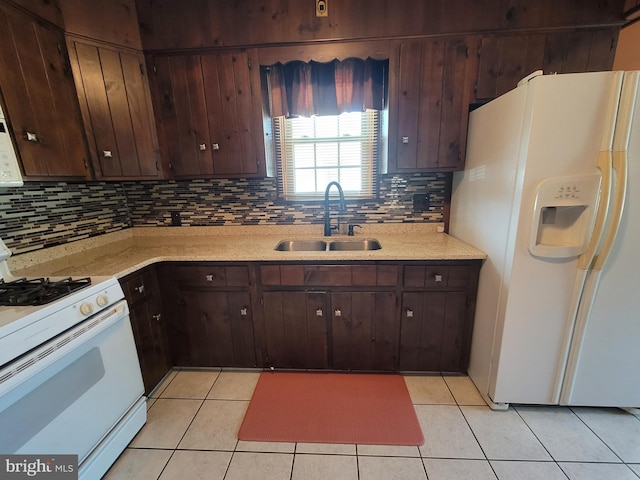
{"x": 366, "y": 409}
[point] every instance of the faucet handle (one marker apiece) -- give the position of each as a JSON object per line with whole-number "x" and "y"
{"x": 351, "y": 227}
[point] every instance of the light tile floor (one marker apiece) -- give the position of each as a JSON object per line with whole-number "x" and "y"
{"x": 194, "y": 416}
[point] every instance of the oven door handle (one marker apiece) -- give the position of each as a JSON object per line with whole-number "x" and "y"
{"x": 23, "y": 368}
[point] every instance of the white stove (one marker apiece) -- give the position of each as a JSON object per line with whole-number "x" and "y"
{"x": 23, "y": 327}
{"x": 66, "y": 352}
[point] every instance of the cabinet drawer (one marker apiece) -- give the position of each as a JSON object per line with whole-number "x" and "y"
{"x": 212, "y": 276}
{"x": 436, "y": 276}
{"x": 139, "y": 286}
{"x": 329, "y": 275}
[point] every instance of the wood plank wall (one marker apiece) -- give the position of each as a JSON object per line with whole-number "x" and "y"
{"x": 189, "y": 24}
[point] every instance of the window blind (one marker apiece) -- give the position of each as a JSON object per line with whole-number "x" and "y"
{"x": 313, "y": 151}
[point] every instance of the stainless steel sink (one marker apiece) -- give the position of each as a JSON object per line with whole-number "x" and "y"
{"x": 355, "y": 245}
{"x": 333, "y": 245}
{"x": 301, "y": 246}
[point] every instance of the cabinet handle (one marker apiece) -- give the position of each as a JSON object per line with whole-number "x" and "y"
{"x": 437, "y": 278}
{"x": 209, "y": 278}
{"x": 139, "y": 289}
{"x": 243, "y": 311}
{"x": 157, "y": 317}
{"x": 319, "y": 312}
{"x": 337, "y": 312}
{"x": 203, "y": 147}
{"x": 405, "y": 140}
{"x": 31, "y": 137}
{"x": 409, "y": 313}
{"x": 215, "y": 146}
{"x": 107, "y": 154}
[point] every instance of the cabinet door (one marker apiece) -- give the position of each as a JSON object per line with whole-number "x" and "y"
{"x": 435, "y": 88}
{"x": 506, "y": 59}
{"x": 218, "y": 328}
{"x": 364, "y": 330}
{"x": 208, "y": 122}
{"x": 40, "y": 98}
{"x": 228, "y": 92}
{"x": 177, "y": 90}
{"x": 118, "y": 116}
{"x": 296, "y": 329}
{"x": 433, "y": 331}
{"x": 151, "y": 342}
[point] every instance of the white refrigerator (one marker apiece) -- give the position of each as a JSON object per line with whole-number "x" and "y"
{"x": 551, "y": 192}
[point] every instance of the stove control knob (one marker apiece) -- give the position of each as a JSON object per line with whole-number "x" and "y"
{"x": 86, "y": 309}
{"x": 102, "y": 300}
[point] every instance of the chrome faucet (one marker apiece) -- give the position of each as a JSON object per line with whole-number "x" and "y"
{"x": 343, "y": 207}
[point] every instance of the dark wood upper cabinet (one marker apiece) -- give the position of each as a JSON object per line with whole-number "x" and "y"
{"x": 208, "y": 113}
{"x": 116, "y": 106}
{"x": 506, "y": 59}
{"x": 40, "y": 98}
{"x": 434, "y": 88}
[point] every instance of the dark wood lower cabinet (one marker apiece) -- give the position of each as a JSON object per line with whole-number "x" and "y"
{"x": 218, "y": 328}
{"x": 151, "y": 343}
{"x": 296, "y": 328}
{"x": 364, "y": 330}
{"x": 364, "y": 316}
{"x": 149, "y": 325}
{"x": 432, "y": 331}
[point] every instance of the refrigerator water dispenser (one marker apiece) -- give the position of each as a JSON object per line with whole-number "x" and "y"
{"x": 563, "y": 216}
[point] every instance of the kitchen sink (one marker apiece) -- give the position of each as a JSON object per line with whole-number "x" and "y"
{"x": 355, "y": 245}
{"x": 301, "y": 246}
{"x": 321, "y": 245}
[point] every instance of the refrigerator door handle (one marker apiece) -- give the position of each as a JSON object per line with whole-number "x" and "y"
{"x": 621, "y": 141}
{"x": 605, "y": 165}
{"x": 620, "y": 166}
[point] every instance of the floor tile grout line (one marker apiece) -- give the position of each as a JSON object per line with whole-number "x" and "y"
{"x": 596, "y": 434}
{"x": 515, "y": 409}
{"x": 226, "y": 471}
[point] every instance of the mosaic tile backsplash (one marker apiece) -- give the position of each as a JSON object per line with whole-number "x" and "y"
{"x": 253, "y": 202}
{"x": 41, "y": 215}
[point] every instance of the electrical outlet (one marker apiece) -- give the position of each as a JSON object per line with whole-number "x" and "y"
{"x": 322, "y": 8}
{"x": 176, "y": 221}
{"x": 420, "y": 202}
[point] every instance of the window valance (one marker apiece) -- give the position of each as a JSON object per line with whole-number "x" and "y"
{"x": 305, "y": 89}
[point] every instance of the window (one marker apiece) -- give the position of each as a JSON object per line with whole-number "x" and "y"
{"x": 313, "y": 151}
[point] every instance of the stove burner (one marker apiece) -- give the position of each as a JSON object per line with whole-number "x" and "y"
{"x": 38, "y": 291}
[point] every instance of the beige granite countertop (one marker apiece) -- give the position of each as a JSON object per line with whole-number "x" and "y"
{"x": 123, "y": 252}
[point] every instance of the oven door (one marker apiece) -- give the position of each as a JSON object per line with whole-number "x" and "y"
{"x": 65, "y": 396}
